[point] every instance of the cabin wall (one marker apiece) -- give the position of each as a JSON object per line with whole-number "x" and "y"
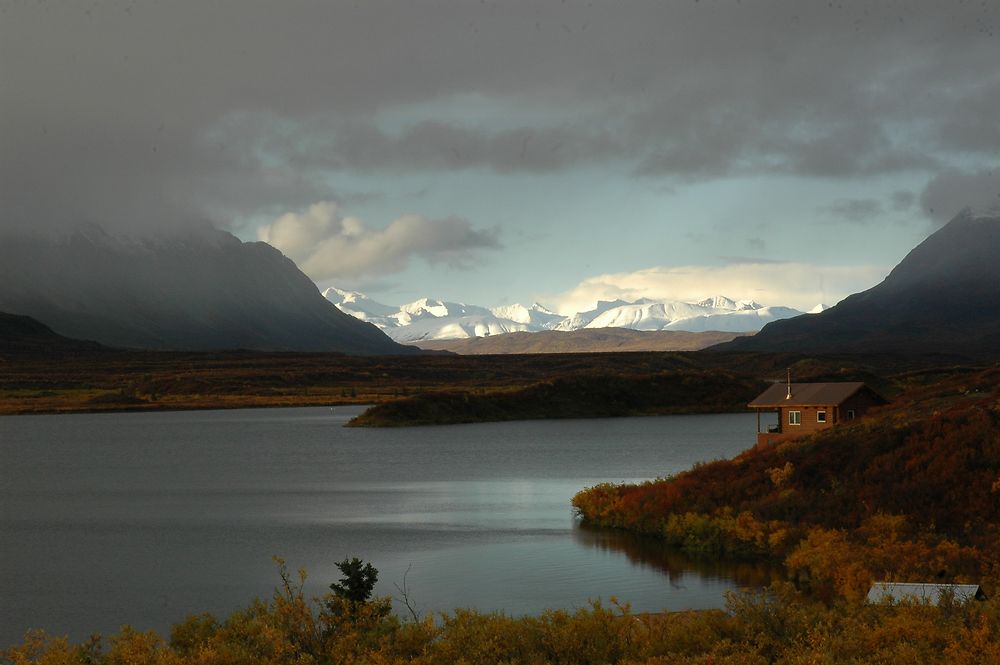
{"x": 860, "y": 402}
{"x": 808, "y": 422}
{"x": 854, "y": 407}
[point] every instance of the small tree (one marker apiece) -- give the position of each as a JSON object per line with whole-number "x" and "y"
{"x": 351, "y": 607}
{"x": 358, "y": 581}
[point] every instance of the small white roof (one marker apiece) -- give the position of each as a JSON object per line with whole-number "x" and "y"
{"x": 887, "y": 592}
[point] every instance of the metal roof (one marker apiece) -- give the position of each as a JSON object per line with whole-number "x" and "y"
{"x": 807, "y": 394}
{"x": 887, "y": 592}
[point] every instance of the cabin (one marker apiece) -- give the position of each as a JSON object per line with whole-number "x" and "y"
{"x": 923, "y": 592}
{"x": 804, "y": 408}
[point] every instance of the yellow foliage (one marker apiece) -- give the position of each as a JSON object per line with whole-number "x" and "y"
{"x": 780, "y": 475}
{"x": 774, "y": 626}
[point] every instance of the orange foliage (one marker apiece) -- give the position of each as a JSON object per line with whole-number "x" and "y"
{"x": 909, "y": 493}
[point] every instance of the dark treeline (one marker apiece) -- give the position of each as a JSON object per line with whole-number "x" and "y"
{"x": 597, "y": 395}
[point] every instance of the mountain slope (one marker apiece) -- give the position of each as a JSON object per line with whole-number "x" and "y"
{"x": 23, "y": 334}
{"x": 943, "y": 297}
{"x": 201, "y": 291}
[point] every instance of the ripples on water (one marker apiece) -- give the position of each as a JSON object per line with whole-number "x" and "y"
{"x": 108, "y": 519}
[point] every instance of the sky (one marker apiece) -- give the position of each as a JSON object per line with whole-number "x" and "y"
{"x": 790, "y": 152}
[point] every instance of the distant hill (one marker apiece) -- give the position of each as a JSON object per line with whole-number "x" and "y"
{"x": 200, "y": 291}
{"x": 590, "y": 395}
{"x": 23, "y": 334}
{"x": 944, "y": 297}
{"x": 585, "y": 340}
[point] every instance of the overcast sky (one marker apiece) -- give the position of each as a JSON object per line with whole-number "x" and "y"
{"x": 494, "y": 152}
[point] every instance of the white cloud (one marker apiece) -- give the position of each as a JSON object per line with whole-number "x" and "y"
{"x": 327, "y": 245}
{"x": 798, "y": 285}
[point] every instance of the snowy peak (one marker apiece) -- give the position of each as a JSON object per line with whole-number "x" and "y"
{"x": 515, "y": 312}
{"x": 542, "y": 309}
{"x": 583, "y": 319}
{"x": 357, "y": 304}
{"x": 722, "y": 302}
{"x": 429, "y": 319}
{"x": 425, "y": 307}
{"x": 648, "y": 316}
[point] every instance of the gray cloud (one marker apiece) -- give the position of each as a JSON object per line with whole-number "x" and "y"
{"x": 156, "y": 114}
{"x": 429, "y": 144}
{"x": 903, "y": 200}
{"x": 751, "y": 260}
{"x": 858, "y": 211}
{"x": 952, "y": 190}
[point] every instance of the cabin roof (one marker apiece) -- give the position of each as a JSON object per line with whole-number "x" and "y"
{"x": 807, "y": 394}
{"x": 882, "y": 592}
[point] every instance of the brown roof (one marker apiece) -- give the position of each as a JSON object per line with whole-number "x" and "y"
{"x": 807, "y": 394}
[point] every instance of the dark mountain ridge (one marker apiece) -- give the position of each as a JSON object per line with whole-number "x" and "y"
{"x": 23, "y": 334}
{"x": 943, "y": 297}
{"x": 199, "y": 291}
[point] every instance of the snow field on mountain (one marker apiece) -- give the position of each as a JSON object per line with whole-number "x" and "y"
{"x": 429, "y": 319}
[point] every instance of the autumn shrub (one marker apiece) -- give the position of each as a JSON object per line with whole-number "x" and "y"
{"x": 777, "y": 625}
{"x": 911, "y": 493}
{"x": 41, "y": 649}
{"x": 192, "y": 634}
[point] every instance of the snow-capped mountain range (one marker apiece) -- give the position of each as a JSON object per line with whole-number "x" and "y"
{"x": 428, "y": 319}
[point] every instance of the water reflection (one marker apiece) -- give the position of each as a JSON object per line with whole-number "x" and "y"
{"x": 142, "y": 518}
{"x": 645, "y": 551}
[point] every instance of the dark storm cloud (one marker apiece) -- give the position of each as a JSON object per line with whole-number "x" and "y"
{"x": 954, "y": 189}
{"x": 148, "y": 115}
{"x": 361, "y": 145}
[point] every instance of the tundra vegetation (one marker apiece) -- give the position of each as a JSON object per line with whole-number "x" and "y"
{"x": 95, "y": 379}
{"x": 911, "y": 493}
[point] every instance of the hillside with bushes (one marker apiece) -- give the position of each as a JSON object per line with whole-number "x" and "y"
{"x": 910, "y": 493}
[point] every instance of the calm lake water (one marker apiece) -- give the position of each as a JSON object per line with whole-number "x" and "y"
{"x": 107, "y": 519}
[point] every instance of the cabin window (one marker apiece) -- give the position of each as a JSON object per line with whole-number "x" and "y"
{"x": 850, "y": 414}
{"x": 794, "y": 417}
{"x": 821, "y": 416}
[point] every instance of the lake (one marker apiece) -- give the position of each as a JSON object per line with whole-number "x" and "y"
{"x": 143, "y": 518}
